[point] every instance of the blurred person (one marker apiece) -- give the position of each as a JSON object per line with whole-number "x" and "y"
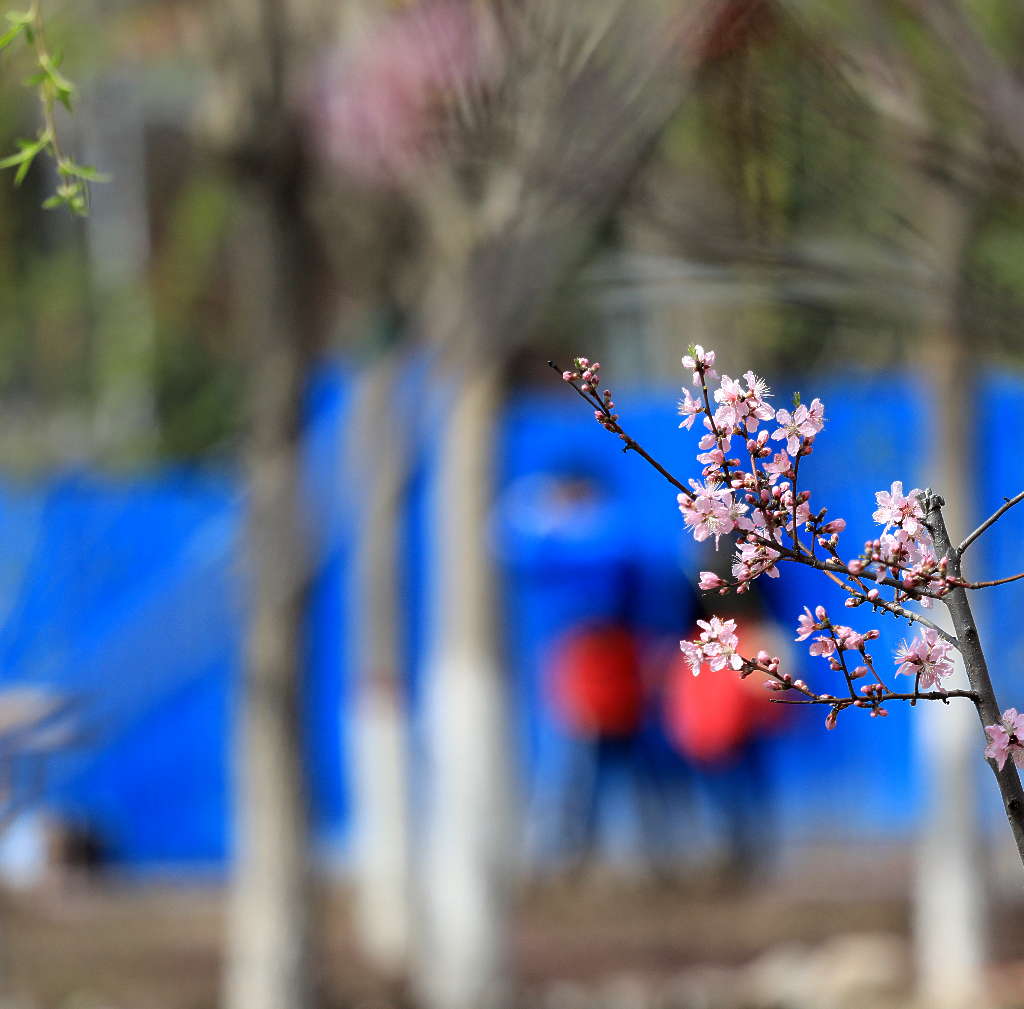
{"x": 565, "y": 535}
{"x": 720, "y": 724}
{"x": 596, "y": 690}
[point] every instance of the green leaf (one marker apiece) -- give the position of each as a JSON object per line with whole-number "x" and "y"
{"x": 10, "y": 35}
{"x": 52, "y": 202}
{"x": 19, "y": 175}
{"x": 796, "y": 399}
{"x": 60, "y": 82}
{"x": 28, "y": 149}
{"x": 25, "y": 154}
{"x": 87, "y": 172}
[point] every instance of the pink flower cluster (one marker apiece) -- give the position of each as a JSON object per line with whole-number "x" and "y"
{"x": 928, "y": 656}
{"x": 1006, "y": 739}
{"x": 716, "y": 645}
{"x": 750, "y": 490}
{"x": 711, "y": 510}
{"x": 839, "y": 638}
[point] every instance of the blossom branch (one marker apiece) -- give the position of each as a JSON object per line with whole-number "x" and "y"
{"x": 959, "y": 607}
{"x": 846, "y": 702}
{"x": 611, "y": 424}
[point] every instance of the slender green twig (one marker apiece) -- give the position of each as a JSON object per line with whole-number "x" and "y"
{"x": 52, "y": 87}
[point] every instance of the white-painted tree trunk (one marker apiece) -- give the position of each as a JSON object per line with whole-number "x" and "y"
{"x": 470, "y": 842}
{"x": 268, "y": 928}
{"x": 949, "y": 910}
{"x": 378, "y": 756}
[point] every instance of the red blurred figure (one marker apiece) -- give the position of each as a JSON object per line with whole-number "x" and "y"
{"x": 596, "y": 686}
{"x": 720, "y": 724}
{"x": 712, "y": 717}
{"x": 597, "y": 691}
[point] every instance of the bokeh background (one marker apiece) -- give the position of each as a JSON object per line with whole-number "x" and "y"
{"x": 338, "y": 644}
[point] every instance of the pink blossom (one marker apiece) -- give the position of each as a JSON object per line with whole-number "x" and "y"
{"x": 803, "y": 510}
{"x": 1005, "y": 738}
{"x": 710, "y": 512}
{"x": 742, "y": 406}
{"x": 928, "y": 655}
{"x": 899, "y": 509}
{"x": 688, "y": 409}
{"x": 780, "y": 465}
{"x": 822, "y": 645}
{"x": 709, "y": 580}
{"x": 718, "y": 643}
{"x": 700, "y": 359}
{"x": 753, "y": 560}
{"x": 848, "y": 638}
{"x": 757, "y": 392}
{"x": 804, "y": 422}
{"x": 806, "y": 625}
{"x": 693, "y": 654}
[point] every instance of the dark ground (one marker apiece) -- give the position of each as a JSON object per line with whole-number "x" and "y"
{"x": 122, "y": 945}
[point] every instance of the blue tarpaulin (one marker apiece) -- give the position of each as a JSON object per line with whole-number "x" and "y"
{"x": 129, "y": 593}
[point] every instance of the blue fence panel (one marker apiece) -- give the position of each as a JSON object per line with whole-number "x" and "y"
{"x": 129, "y": 595}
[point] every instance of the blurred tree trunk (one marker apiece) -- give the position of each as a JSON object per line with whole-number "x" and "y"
{"x": 949, "y": 885}
{"x": 470, "y": 845}
{"x": 258, "y": 50}
{"x": 268, "y": 956}
{"x": 378, "y": 758}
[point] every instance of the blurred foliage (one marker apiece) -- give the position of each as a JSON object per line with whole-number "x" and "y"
{"x": 782, "y": 212}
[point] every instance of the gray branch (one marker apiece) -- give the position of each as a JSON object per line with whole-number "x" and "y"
{"x": 958, "y": 604}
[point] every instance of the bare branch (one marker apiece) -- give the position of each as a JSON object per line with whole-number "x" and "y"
{"x": 994, "y": 581}
{"x": 991, "y": 520}
{"x": 845, "y": 702}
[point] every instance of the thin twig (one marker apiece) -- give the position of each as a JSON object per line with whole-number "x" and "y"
{"x": 845, "y": 702}
{"x": 991, "y": 520}
{"x": 995, "y": 581}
